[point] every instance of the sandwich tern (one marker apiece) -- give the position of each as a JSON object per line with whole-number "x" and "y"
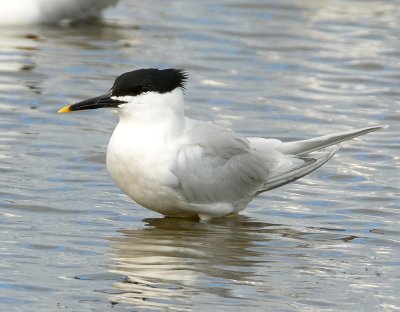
{"x": 183, "y": 167}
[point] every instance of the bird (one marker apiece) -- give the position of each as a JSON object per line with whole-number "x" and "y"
{"x": 28, "y": 12}
{"x": 182, "y": 167}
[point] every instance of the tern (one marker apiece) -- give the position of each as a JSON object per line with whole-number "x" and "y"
{"x": 27, "y": 12}
{"x": 181, "y": 167}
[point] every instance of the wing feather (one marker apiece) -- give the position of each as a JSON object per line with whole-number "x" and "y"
{"x": 218, "y": 165}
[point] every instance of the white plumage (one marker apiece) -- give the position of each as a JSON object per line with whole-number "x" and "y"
{"x": 25, "y": 12}
{"x": 178, "y": 166}
{"x": 182, "y": 167}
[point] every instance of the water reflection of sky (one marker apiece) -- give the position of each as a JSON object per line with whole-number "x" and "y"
{"x": 70, "y": 239}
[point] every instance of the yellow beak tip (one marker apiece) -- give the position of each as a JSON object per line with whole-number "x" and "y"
{"x": 65, "y": 109}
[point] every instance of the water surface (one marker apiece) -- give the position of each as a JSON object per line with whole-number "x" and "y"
{"x": 69, "y": 240}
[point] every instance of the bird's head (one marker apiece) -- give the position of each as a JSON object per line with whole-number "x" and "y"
{"x": 143, "y": 89}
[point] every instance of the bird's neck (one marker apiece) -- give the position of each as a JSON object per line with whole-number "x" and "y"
{"x": 158, "y": 114}
{"x": 166, "y": 124}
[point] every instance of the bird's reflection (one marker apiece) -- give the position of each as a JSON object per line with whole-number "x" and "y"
{"x": 174, "y": 259}
{"x": 176, "y": 262}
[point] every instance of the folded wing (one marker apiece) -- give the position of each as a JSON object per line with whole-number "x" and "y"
{"x": 218, "y": 165}
{"x": 314, "y": 152}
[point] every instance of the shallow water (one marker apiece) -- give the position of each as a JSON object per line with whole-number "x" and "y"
{"x": 69, "y": 240}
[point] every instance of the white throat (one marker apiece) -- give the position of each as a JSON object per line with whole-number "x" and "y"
{"x": 150, "y": 119}
{"x": 152, "y": 107}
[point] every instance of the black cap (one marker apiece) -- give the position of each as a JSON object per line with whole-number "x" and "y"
{"x": 151, "y": 79}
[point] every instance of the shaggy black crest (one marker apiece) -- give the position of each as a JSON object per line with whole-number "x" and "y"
{"x": 151, "y": 79}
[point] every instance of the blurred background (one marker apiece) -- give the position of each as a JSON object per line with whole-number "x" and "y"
{"x": 70, "y": 240}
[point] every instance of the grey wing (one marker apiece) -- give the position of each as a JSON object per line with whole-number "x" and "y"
{"x": 218, "y": 165}
{"x": 312, "y": 154}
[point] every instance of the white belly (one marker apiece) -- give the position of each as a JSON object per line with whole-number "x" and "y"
{"x": 142, "y": 171}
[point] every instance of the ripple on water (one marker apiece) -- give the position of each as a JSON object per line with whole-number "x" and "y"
{"x": 70, "y": 240}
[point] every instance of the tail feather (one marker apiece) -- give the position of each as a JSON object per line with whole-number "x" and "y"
{"x": 311, "y": 145}
{"x": 309, "y": 155}
{"x": 311, "y": 162}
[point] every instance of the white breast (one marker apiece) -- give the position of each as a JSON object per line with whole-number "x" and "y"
{"x": 139, "y": 160}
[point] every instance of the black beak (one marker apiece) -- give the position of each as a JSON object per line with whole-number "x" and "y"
{"x": 104, "y": 100}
